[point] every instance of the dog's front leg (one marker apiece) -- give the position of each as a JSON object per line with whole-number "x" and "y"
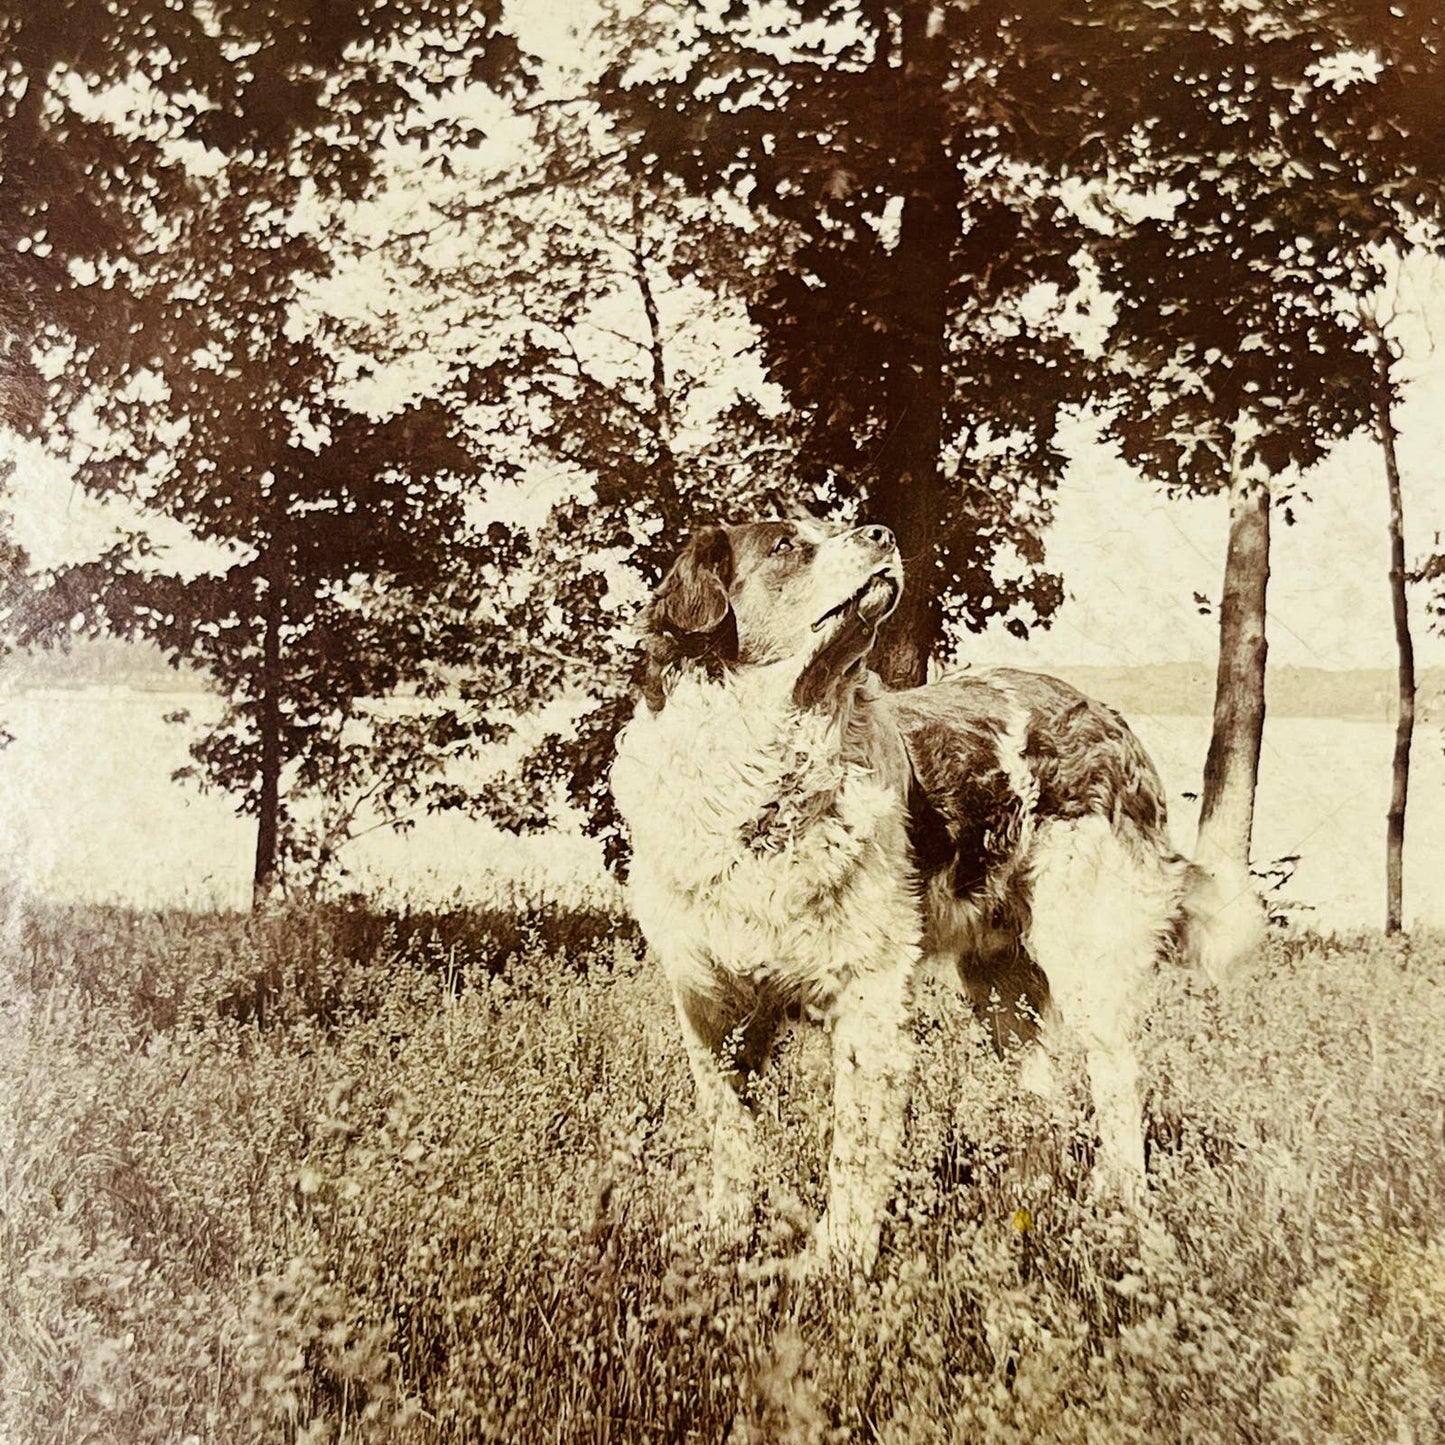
{"x": 727, "y": 1041}
{"x": 872, "y": 1064}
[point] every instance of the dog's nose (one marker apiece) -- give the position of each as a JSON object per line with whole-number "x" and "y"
{"x": 880, "y": 537}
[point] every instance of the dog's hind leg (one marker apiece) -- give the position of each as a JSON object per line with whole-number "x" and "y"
{"x": 728, "y": 1032}
{"x": 1100, "y": 908}
{"x": 1007, "y": 990}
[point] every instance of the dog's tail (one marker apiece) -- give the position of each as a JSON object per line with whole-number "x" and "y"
{"x": 1220, "y": 918}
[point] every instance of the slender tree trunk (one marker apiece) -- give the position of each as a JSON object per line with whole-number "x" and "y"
{"x": 907, "y": 495}
{"x": 665, "y": 477}
{"x": 268, "y": 721}
{"x": 1404, "y": 645}
{"x": 1231, "y": 770}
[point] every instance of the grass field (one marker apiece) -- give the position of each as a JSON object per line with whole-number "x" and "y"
{"x": 431, "y": 1178}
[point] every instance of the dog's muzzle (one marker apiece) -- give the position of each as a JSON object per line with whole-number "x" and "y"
{"x": 879, "y": 594}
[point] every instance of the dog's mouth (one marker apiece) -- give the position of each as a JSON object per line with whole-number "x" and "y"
{"x": 873, "y": 601}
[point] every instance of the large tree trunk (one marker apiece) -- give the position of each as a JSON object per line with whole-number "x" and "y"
{"x": 907, "y": 501}
{"x": 1404, "y": 646}
{"x": 906, "y": 496}
{"x": 268, "y": 722}
{"x": 1231, "y": 770}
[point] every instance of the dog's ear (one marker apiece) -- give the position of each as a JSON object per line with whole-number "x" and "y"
{"x": 690, "y": 620}
{"x": 693, "y": 597}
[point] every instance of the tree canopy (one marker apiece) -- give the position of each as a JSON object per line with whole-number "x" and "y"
{"x": 267, "y": 279}
{"x": 912, "y": 308}
{"x": 339, "y": 553}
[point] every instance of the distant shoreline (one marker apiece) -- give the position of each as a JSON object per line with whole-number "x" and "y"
{"x": 108, "y": 668}
{"x": 1187, "y": 689}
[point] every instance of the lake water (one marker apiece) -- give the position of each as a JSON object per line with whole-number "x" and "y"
{"x": 88, "y": 811}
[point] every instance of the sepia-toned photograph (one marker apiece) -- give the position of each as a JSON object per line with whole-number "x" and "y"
{"x": 722, "y": 721}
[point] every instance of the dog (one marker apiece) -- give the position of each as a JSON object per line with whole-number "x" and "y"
{"x": 803, "y": 839}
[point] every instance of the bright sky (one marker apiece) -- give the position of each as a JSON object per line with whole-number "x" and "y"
{"x": 1132, "y": 560}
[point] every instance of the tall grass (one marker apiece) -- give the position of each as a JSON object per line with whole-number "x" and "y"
{"x": 337, "y": 1176}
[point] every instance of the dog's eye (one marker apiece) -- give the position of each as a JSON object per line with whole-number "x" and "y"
{"x": 783, "y": 544}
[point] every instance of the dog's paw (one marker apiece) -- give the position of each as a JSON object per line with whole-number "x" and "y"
{"x": 729, "y": 1219}
{"x": 843, "y": 1245}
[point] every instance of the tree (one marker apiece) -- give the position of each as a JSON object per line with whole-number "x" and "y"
{"x": 623, "y": 361}
{"x": 616, "y": 307}
{"x": 1243, "y": 373}
{"x": 900, "y": 152}
{"x": 1384, "y": 116}
{"x": 1378, "y": 317}
{"x": 1383, "y": 397}
{"x": 79, "y": 187}
{"x": 68, "y": 180}
{"x": 1299, "y": 142}
{"x": 342, "y": 553}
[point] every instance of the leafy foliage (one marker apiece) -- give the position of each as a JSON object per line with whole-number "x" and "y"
{"x": 911, "y": 225}
{"x": 634, "y": 411}
{"x": 78, "y": 192}
{"x": 912, "y": 310}
{"x": 340, "y": 554}
{"x": 1248, "y": 216}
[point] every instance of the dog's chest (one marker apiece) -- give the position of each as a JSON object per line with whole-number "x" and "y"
{"x": 754, "y": 841}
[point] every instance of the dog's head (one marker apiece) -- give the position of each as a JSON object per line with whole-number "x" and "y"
{"x": 773, "y": 592}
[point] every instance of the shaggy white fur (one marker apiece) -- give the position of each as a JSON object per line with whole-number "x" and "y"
{"x": 1101, "y": 912}
{"x": 757, "y": 849}
{"x": 765, "y": 863}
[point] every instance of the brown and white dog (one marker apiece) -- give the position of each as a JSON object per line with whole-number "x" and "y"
{"x": 802, "y": 837}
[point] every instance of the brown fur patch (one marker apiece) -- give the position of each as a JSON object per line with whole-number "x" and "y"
{"x": 1081, "y": 756}
{"x": 834, "y": 666}
{"x": 737, "y": 1020}
{"x": 967, "y": 816}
